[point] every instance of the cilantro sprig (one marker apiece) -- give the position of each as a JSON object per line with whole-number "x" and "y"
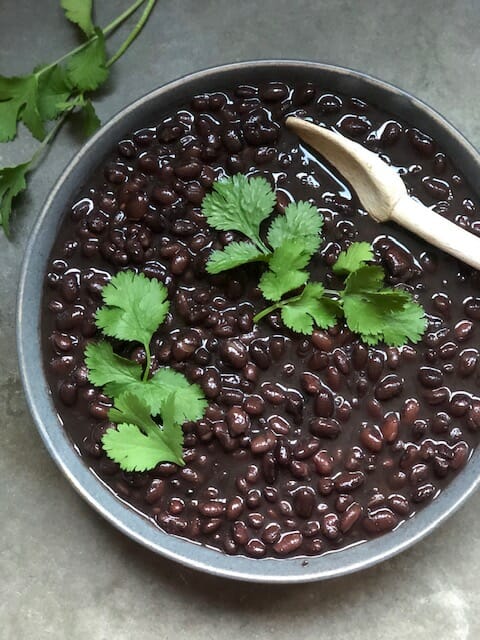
{"x": 53, "y": 92}
{"x": 135, "y": 306}
{"x": 375, "y": 312}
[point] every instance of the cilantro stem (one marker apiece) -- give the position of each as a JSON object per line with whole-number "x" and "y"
{"x": 332, "y": 292}
{"x": 275, "y": 306}
{"x": 106, "y": 31}
{"x": 148, "y": 363}
{"x": 37, "y": 156}
{"x": 134, "y": 32}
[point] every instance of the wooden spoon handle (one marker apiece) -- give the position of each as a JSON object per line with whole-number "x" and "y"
{"x": 437, "y": 230}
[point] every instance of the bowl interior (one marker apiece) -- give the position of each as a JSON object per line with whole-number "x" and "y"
{"x": 141, "y": 113}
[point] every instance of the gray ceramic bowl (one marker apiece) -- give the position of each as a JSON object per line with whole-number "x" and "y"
{"x": 125, "y": 518}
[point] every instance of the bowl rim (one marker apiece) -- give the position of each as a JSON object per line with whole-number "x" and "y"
{"x": 122, "y": 515}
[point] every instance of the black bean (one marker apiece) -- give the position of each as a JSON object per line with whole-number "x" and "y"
{"x": 430, "y": 377}
{"x": 323, "y": 463}
{"x": 304, "y": 502}
{"x": 380, "y": 521}
{"x": 271, "y": 533}
{"x": 324, "y": 404}
{"x": 211, "y": 383}
{"x": 263, "y": 442}
{"x": 282, "y": 452}
{"x": 372, "y": 438}
{"x": 374, "y": 366}
{"x": 389, "y": 387}
{"x": 398, "y": 261}
{"x": 273, "y": 393}
{"x": 164, "y": 195}
{"x": 255, "y": 548}
{"x": 423, "y": 492}
{"x": 390, "y": 133}
{"x": 310, "y": 383}
{"x": 389, "y": 428}
{"x": 354, "y": 126}
{"x": 328, "y": 103}
{"x": 438, "y": 189}
{"x": 459, "y": 404}
{"x": 238, "y": 421}
{"x": 306, "y": 449}
{"x": 211, "y": 509}
{"x": 325, "y": 427}
{"x": 359, "y": 355}
{"x": 269, "y": 467}
{"x": 235, "y": 508}
{"x": 279, "y": 425}
{"x": 288, "y": 543}
{"x": 321, "y": 340}
{"x": 349, "y": 481}
{"x": 259, "y": 353}
{"x": 463, "y": 330}
{"x": 254, "y": 405}
{"x": 234, "y": 352}
{"x": 303, "y": 94}
{"x": 330, "y": 526}
{"x": 460, "y": 455}
{"x": 421, "y": 142}
{"x": 350, "y": 517}
{"x": 273, "y": 92}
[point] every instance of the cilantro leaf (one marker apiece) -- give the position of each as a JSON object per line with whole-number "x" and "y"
{"x": 19, "y": 102}
{"x": 53, "y": 92}
{"x": 171, "y": 430}
{"x": 80, "y": 13}
{"x": 131, "y": 407}
{"x": 285, "y": 270}
{"x": 86, "y": 69}
{"x": 240, "y": 204}
{"x": 300, "y": 221}
{"x": 233, "y": 255}
{"x": 377, "y": 313}
{"x": 353, "y": 258}
{"x": 135, "y": 451}
{"x": 407, "y": 324}
{"x": 107, "y": 369}
{"x": 365, "y": 279}
{"x": 12, "y": 182}
{"x": 164, "y": 443}
{"x": 136, "y": 306}
{"x": 89, "y": 119}
{"x": 190, "y": 403}
{"x": 311, "y": 306}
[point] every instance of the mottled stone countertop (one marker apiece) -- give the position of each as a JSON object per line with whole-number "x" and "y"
{"x": 66, "y": 573}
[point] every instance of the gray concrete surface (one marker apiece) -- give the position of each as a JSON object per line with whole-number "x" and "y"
{"x": 64, "y": 572}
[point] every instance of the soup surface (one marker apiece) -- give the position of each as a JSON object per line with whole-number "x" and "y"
{"x": 309, "y": 444}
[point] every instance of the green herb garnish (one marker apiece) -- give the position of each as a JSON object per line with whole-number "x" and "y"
{"x": 134, "y": 308}
{"x": 57, "y": 90}
{"x": 377, "y": 313}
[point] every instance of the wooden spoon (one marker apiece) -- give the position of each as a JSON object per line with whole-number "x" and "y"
{"x": 383, "y": 194}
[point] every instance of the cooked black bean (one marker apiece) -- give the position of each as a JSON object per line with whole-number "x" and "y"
{"x": 325, "y": 427}
{"x": 372, "y": 438}
{"x": 288, "y": 543}
{"x": 329, "y": 103}
{"x": 421, "y": 142}
{"x": 259, "y": 353}
{"x": 235, "y": 353}
{"x": 237, "y": 420}
{"x": 389, "y": 387}
{"x": 324, "y": 403}
{"x": 380, "y": 521}
{"x": 263, "y": 443}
